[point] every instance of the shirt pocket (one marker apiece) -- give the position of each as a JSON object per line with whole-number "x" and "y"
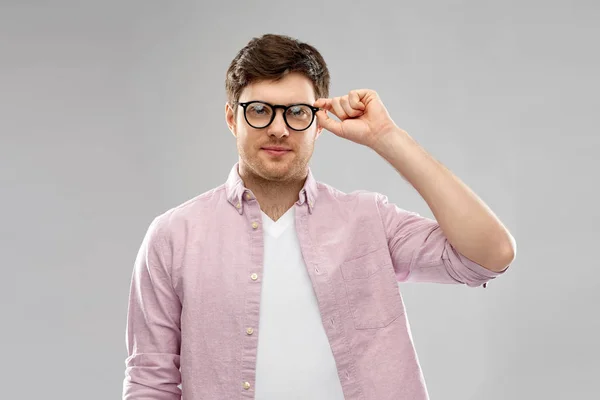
{"x": 372, "y": 290}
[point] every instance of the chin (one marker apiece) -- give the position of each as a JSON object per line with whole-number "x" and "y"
{"x": 275, "y": 172}
{"x": 273, "y": 169}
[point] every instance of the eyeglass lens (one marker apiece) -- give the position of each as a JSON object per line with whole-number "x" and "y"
{"x": 259, "y": 115}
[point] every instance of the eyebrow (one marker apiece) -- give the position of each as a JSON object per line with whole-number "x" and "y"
{"x": 273, "y": 103}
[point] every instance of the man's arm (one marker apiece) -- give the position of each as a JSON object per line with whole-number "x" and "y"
{"x": 421, "y": 252}
{"x": 469, "y": 225}
{"x": 153, "y": 325}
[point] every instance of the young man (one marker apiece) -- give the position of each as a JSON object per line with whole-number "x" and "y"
{"x": 277, "y": 286}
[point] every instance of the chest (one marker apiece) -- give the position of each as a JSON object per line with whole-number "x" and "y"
{"x": 341, "y": 254}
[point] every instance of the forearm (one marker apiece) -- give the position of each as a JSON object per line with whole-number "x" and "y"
{"x": 153, "y": 334}
{"x": 469, "y": 224}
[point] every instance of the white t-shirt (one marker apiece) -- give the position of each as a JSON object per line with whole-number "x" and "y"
{"x": 294, "y": 359}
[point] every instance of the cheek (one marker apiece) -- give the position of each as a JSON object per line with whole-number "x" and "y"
{"x": 308, "y": 140}
{"x": 245, "y": 140}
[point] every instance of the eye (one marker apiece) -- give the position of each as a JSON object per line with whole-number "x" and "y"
{"x": 259, "y": 109}
{"x": 298, "y": 111}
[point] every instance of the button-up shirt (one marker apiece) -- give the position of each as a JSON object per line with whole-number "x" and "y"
{"x": 193, "y": 317}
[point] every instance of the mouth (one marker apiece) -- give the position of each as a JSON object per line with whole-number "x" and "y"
{"x": 276, "y": 150}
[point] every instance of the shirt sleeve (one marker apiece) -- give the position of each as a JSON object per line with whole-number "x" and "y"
{"x": 421, "y": 252}
{"x": 153, "y": 333}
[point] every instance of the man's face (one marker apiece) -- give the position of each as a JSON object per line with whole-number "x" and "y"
{"x": 253, "y": 144}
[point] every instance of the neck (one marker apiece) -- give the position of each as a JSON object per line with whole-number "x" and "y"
{"x": 274, "y": 197}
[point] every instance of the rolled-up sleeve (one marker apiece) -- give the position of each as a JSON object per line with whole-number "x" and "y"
{"x": 153, "y": 333}
{"x": 421, "y": 252}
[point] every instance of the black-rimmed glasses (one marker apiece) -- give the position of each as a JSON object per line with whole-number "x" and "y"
{"x": 297, "y": 117}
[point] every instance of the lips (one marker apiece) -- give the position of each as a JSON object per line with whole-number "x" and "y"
{"x": 276, "y": 150}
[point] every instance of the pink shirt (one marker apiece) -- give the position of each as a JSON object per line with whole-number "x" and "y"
{"x": 192, "y": 324}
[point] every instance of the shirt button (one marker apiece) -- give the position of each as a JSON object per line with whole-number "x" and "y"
{"x": 248, "y": 196}
{"x": 249, "y": 331}
{"x": 255, "y": 225}
{"x": 238, "y": 205}
{"x": 246, "y": 385}
{"x": 254, "y": 276}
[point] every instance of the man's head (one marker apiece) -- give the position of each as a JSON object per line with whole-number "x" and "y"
{"x": 276, "y": 70}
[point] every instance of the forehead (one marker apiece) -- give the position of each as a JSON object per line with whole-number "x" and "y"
{"x": 293, "y": 88}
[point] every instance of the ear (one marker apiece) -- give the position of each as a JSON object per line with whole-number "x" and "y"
{"x": 230, "y": 119}
{"x": 319, "y": 130}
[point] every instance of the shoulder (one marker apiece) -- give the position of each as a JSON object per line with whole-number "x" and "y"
{"x": 188, "y": 213}
{"x": 368, "y": 203}
{"x": 331, "y": 193}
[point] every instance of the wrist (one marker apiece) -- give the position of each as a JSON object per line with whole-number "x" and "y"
{"x": 388, "y": 139}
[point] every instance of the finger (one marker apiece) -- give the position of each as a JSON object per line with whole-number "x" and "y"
{"x": 355, "y": 100}
{"x": 331, "y": 125}
{"x": 362, "y": 93}
{"x": 338, "y": 110}
{"x": 352, "y": 113}
{"x": 323, "y": 103}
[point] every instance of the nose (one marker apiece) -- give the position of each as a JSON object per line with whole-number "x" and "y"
{"x": 278, "y": 127}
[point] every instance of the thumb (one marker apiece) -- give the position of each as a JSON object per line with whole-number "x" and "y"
{"x": 331, "y": 125}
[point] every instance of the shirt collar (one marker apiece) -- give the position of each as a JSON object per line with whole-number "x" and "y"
{"x": 237, "y": 192}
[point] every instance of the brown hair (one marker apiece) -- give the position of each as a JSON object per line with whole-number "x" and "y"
{"x": 271, "y": 57}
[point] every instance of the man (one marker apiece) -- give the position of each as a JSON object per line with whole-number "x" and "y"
{"x": 277, "y": 286}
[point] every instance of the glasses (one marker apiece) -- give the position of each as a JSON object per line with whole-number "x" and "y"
{"x": 297, "y": 117}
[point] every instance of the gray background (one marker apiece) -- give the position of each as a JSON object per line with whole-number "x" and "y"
{"x": 112, "y": 112}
